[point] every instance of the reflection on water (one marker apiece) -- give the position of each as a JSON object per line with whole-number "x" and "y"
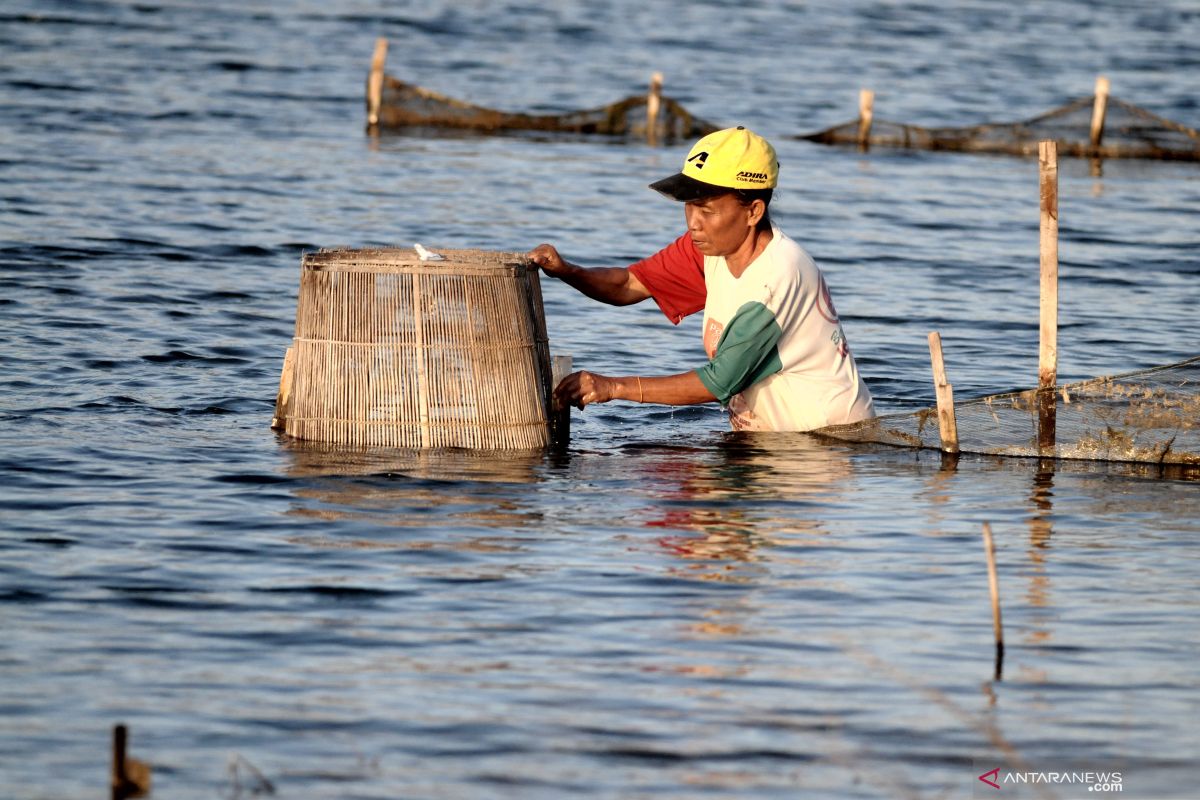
{"x": 745, "y": 493}
{"x": 390, "y": 490}
{"x": 1041, "y": 529}
{"x": 310, "y": 459}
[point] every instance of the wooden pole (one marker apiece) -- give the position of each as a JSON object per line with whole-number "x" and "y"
{"x": 1048, "y": 338}
{"x": 1099, "y": 110}
{"x": 1048, "y": 350}
{"x": 866, "y": 111}
{"x": 947, "y": 425}
{"x": 120, "y": 742}
{"x": 561, "y": 420}
{"x": 130, "y": 777}
{"x": 653, "y": 105}
{"x": 989, "y": 549}
{"x": 284, "y": 398}
{"x": 375, "y": 82}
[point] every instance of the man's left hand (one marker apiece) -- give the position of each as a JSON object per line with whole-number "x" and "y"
{"x": 583, "y": 388}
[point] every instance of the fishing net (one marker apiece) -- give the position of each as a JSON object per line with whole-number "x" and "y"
{"x": 406, "y": 105}
{"x": 1148, "y": 416}
{"x": 1129, "y": 132}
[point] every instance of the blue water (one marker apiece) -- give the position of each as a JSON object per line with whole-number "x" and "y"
{"x": 667, "y": 609}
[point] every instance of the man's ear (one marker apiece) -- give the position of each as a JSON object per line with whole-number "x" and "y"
{"x": 757, "y": 208}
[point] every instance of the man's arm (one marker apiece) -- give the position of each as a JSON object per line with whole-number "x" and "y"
{"x": 613, "y": 285}
{"x": 580, "y": 389}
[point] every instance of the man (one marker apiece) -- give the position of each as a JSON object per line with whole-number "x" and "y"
{"x": 778, "y": 359}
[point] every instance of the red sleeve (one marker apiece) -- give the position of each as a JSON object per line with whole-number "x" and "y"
{"x": 674, "y": 277}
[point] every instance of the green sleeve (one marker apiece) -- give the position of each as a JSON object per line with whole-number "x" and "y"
{"x": 747, "y": 352}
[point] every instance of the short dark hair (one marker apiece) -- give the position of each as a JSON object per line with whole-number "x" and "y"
{"x": 748, "y": 196}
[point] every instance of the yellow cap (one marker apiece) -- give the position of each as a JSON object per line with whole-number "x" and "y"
{"x": 734, "y": 158}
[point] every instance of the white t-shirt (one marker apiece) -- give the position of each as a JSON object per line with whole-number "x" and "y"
{"x": 779, "y": 360}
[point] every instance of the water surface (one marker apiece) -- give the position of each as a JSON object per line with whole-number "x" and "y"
{"x": 667, "y": 609}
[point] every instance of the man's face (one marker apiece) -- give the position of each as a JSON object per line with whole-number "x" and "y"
{"x": 719, "y": 225}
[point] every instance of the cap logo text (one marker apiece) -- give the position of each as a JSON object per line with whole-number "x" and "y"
{"x": 753, "y": 177}
{"x": 699, "y": 158}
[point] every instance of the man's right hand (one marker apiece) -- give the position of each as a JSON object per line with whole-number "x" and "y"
{"x": 616, "y": 286}
{"x": 546, "y": 257}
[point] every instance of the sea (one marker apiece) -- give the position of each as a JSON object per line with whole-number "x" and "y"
{"x": 664, "y": 609}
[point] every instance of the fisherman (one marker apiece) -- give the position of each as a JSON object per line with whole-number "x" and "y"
{"x": 778, "y": 359}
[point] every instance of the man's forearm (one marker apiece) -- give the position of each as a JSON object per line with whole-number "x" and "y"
{"x": 584, "y": 388}
{"x": 684, "y": 389}
{"x": 610, "y": 285}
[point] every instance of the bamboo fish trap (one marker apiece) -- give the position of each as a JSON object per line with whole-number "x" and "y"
{"x": 394, "y": 351}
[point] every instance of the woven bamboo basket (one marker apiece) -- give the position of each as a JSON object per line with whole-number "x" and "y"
{"x": 394, "y": 351}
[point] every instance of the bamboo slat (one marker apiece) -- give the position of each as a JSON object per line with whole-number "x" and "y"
{"x": 393, "y": 351}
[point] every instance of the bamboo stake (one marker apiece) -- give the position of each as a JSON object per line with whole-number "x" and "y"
{"x": 1048, "y": 336}
{"x": 375, "y": 82}
{"x": 561, "y": 368}
{"x": 653, "y": 105}
{"x": 120, "y": 741}
{"x": 866, "y": 111}
{"x": 1099, "y": 110}
{"x": 284, "y": 398}
{"x": 947, "y": 425}
{"x": 130, "y": 777}
{"x": 989, "y": 549}
{"x": 1048, "y": 352}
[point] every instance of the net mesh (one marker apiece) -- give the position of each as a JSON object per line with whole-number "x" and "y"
{"x": 1150, "y": 416}
{"x": 1129, "y": 132}
{"x": 408, "y": 105}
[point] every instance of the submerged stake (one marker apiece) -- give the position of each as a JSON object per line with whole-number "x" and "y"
{"x": 994, "y": 587}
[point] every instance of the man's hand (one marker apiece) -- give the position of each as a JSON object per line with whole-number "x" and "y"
{"x": 616, "y": 286}
{"x": 584, "y": 388}
{"x": 546, "y": 257}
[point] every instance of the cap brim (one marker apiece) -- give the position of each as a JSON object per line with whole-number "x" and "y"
{"x": 686, "y": 190}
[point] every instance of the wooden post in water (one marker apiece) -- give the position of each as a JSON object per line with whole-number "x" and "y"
{"x": 560, "y": 420}
{"x": 947, "y": 425}
{"x": 130, "y": 777}
{"x": 653, "y": 105}
{"x": 866, "y": 111}
{"x": 375, "y": 82}
{"x": 284, "y": 398}
{"x": 989, "y": 548}
{"x": 1099, "y": 110}
{"x": 1048, "y": 334}
{"x": 120, "y": 744}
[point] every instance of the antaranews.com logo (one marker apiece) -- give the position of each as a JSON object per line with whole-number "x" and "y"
{"x": 1095, "y": 781}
